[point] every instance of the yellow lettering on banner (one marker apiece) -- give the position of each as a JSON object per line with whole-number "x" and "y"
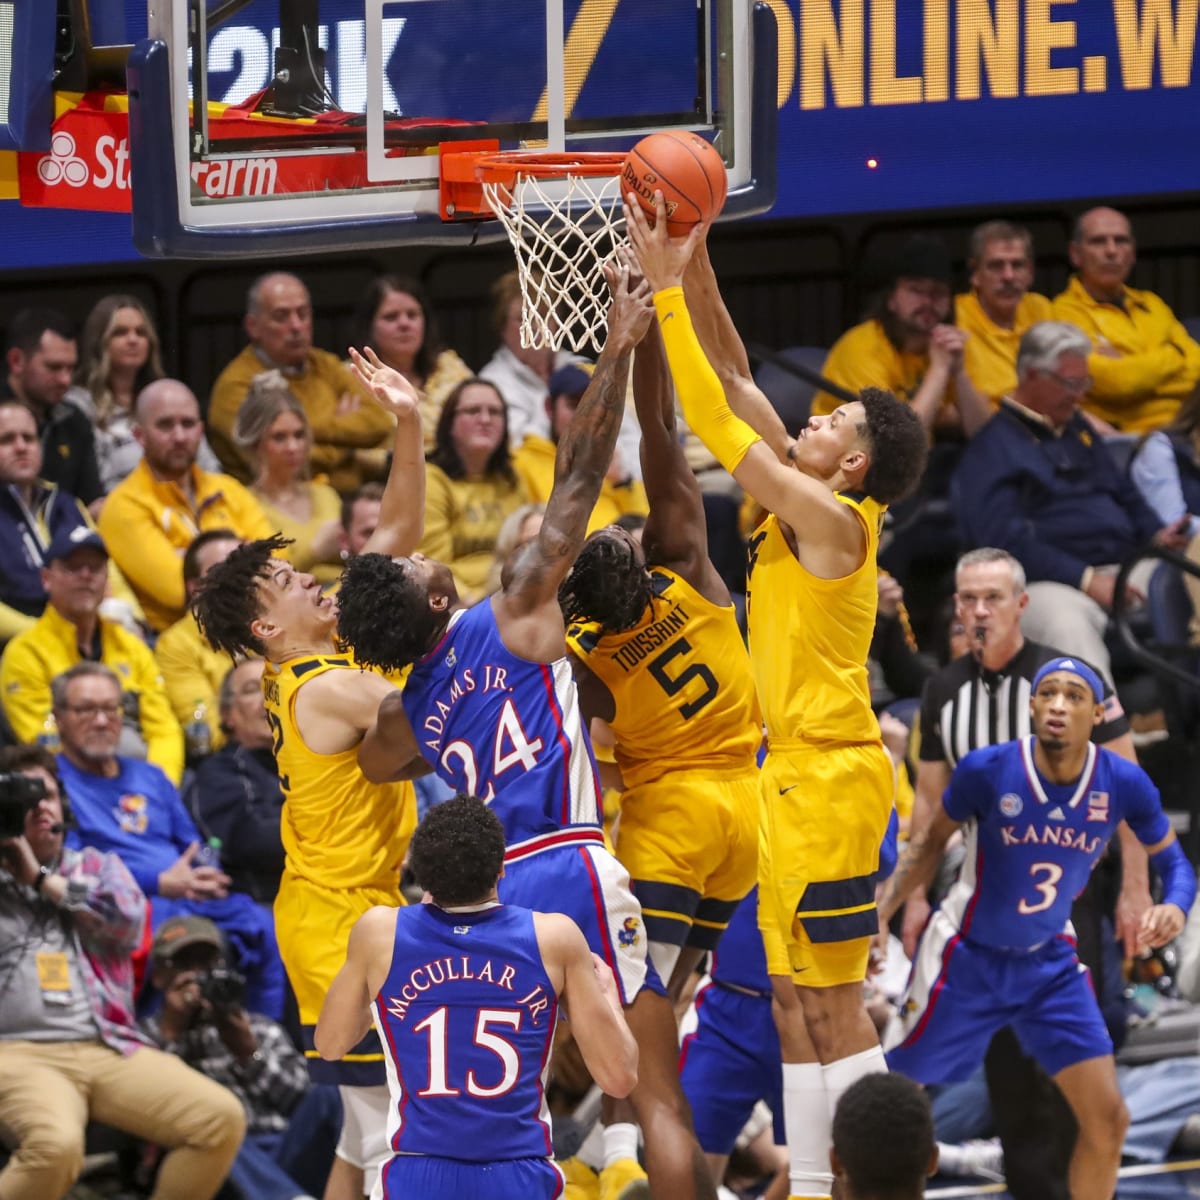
{"x": 1042, "y": 35}
{"x": 937, "y": 50}
{"x": 787, "y": 50}
{"x": 1169, "y": 27}
{"x": 992, "y": 43}
{"x": 823, "y": 43}
{"x": 580, "y": 48}
{"x": 886, "y": 86}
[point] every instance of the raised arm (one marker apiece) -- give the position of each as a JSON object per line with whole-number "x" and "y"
{"x": 724, "y": 349}
{"x": 402, "y": 505}
{"x": 346, "y": 1014}
{"x": 676, "y": 535}
{"x": 527, "y": 604}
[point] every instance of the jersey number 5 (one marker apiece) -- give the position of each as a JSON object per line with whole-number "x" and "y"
{"x": 1047, "y": 888}
{"x": 674, "y": 685}
{"x": 439, "y": 1069}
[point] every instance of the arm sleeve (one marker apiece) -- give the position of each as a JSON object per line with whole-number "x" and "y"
{"x": 700, "y": 393}
{"x": 1156, "y": 476}
{"x": 142, "y": 551}
{"x": 1141, "y": 804}
{"x": 105, "y": 899}
{"x": 164, "y": 738}
{"x": 970, "y": 787}
{"x": 991, "y": 512}
{"x": 24, "y": 690}
{"x": 12, "y": 622}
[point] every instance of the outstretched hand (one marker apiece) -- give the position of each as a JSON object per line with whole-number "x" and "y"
{"x": 632, "y": 307}
{"x": 389, "y": 388}
{"x": 661, "y": 257}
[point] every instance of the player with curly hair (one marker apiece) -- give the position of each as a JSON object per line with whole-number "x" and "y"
{"x": 659, "y": 656}
{"x": 827, "y": 781}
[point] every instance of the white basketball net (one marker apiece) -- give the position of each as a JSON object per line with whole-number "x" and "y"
{"x": 562, "y": 231}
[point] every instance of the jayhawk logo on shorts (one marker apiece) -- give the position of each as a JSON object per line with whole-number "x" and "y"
{"x": 629, "y": 932}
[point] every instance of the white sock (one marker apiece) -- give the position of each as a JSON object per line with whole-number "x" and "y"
{"x": 806, "y": 1120}
{"x": 841, "y": 1074}
{"x": 620, "y": 1141}
{"x": 591, "y": 1149}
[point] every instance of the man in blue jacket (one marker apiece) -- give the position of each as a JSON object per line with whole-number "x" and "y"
{"x": 1038, "y": 481}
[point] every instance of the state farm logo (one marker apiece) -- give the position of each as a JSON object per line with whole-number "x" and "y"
{"x": 110, "y": 166}
{"x": 62, "y": 164}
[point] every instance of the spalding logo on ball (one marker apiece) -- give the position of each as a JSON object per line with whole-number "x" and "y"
{"x": 688, "y": 172}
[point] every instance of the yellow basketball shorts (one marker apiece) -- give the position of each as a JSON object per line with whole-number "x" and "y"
{"x": 824, "y": 813}
{"x": 312, "y": 925}
{"x": 689, "y": 841}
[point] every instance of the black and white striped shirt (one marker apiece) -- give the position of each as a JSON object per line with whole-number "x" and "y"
{"x": 966, "y": 706}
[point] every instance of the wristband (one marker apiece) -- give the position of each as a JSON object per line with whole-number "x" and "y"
{"x": 43, "y": 874}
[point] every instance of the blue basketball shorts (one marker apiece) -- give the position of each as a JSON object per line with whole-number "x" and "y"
{"x": 408, "y": 1176}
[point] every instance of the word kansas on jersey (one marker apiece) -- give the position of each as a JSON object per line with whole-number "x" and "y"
{"x": 431, "y": 976}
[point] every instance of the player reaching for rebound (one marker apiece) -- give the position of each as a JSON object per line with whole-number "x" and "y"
{"x": 345, "y": 838}
{"x": 827, "y": 782}
{"x": 659, "y": 655}
{"x": 464, "y": 992}
{"x": 494, "y": 707}
{"x": 1038, "y": 813}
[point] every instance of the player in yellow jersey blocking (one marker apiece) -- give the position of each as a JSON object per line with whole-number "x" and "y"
{"x": 345, "y": 838}
{"x": 827, "y": 783}
{"x": 659, "y": 656}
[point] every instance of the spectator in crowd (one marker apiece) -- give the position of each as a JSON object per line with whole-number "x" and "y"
{"x": 360, "y": 515}
{"x": 522, "y": 376}
{"x": 32, "y": 512}
{"x": 519, "y": 529}
{"x": 150, "y": 519}
{"x": 470, "y": 485}
{"x": 1141, "y": 363}
{"x": 908, "y": 346}
{"x": 279, "y": 324}
{"x": 70, "y": 1049}
{"x": 621, "y": 492}
{"x": 396, "y": 320}
{"x": 119, "y": 355}
{"x": 71, "y": 630}
{"x": 132, "y": 808}
{"x": 40, "y": 359}
{"x": 236, "y": 795}
{"x": 291, "y": 1126}
{"x": 1166, "y": 470}
{"x": 883, "y": 1146}
{"x": 1040, "y": 484}
{"x": 999, "y": 307}
{"x": 273, "y": 431}
{"x": 192, "y": 670}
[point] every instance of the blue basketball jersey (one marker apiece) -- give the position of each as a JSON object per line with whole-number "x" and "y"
{"x": 740, "y": 958}
{"x": 466, "y": 1017}
{"x": 504, "y": 729}
{"x": 1031, "y": 844}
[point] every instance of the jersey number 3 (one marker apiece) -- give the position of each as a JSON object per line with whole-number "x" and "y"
{"x": 1046, "y": 887}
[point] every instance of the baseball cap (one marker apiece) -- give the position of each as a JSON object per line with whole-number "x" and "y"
{"x": 1074, "y": 667}
{"x": 177, "y": 933}
{"x": 571, "y": 379}
{"x": 66, "y": 541}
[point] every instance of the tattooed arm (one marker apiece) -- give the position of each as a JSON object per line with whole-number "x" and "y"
{"x": 526, "y": 607}
{"x": 918, "y": 863}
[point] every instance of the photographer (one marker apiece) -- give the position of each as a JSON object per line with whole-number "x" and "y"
{"x": 69, "y": 1047}
{"x": 292, "y": 1127}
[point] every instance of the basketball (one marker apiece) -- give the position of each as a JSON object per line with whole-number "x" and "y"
{"x": 685, "y": 168}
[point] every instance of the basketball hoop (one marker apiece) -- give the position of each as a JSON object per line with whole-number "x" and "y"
{"x": 562, "y": 213}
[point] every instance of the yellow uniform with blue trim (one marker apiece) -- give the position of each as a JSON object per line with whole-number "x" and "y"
{"x": 345, "y": 839}
{"x": 827, "y": 782}
{"x": 688, "y": 731}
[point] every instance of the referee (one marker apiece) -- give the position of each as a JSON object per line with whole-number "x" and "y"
{"x": 982, "y": 699}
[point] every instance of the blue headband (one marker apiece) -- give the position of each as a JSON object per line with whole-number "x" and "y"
{"x": 1075, "y": 667}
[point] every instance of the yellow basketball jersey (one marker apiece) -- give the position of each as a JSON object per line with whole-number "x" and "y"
{"x": 339, "y": 830}
{"x": 681, "y": 682}
{"x": 809, "y": 637}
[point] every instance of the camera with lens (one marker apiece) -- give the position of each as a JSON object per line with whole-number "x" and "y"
{"x": 225, "y": 990}
{"x": 19, "y": 794}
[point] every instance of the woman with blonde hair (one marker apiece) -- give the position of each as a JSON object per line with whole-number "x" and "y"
{"x": 272, "y": 428}
{"x": 119, "y": 354}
